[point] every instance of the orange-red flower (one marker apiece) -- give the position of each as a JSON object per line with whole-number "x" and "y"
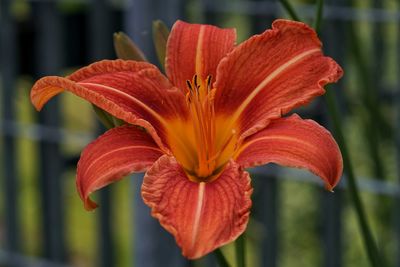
{"x": 217, "y": 111}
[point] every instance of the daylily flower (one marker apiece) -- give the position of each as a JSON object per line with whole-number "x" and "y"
{"x": 218, "y": 110}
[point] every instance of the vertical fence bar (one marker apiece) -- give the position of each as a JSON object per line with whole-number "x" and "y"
{"x": 139, "y": 16}
{"x": 106, "y": 235}
{"x": 153, "y": 245}
{"x": 209, "y": 15}
{"x": 378, "y": 48}
{"x": 100, "y": 47}
{"x": 332, "y": 203}
{"x": 383, "y": 207}
{"x": 266, "y": 202}
{"x": 265, "y": 210}
{"x": 397, "y": 142}
{"x": 270, "y": 244}
{"x": 49, "y": 61}
{"x": 8, "y": 67}
{"x": 374, "y": 123}
{"x": 331, "y": 209}
{"x": 262, "y": 22}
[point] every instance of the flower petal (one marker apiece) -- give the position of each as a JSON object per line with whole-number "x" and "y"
{"x": 196, "y": 49}
{"x": 270, "y": 74}
{"x": 135, "y": 92}
{"x": 115, "y": 154}
{"x": 201, "y": 216}
{"x": 295, "y": 142}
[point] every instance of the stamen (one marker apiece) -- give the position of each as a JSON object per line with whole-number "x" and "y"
{"x": 209, "y": 77}
{"x": 195, "y": 81}
{"x": 225, "y": 145}
{"x": 200, "y": 99}
{"x": 189, "y": 85}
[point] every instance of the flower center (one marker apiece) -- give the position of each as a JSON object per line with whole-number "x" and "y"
{"x": 211, "y": 154}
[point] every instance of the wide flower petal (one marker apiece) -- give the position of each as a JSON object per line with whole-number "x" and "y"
{"x": 201, "y": 216}
{"x": 135, "y": 92}
{"x": 270, "y": 74}
{"x": 115, "y": 154}
{"x": 295, "y": 142}
{"x": 196, "y": 49}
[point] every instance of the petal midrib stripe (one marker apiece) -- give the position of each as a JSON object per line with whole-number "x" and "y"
{"x": 140, "y": 103}
{"x": 198, "y": 213}
{"x": 272, "y": 137}
{"x": 118, "y": 150}
{"x": 269, "y": 78}
{"x": 199, "y": 54}
{"x": 134, "y": 99}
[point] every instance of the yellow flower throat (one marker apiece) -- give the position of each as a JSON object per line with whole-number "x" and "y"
{"x": 204, "y": 147}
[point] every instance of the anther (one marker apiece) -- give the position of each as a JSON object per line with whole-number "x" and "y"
{"x": 195, "y": 81}
{"x": 209, "y": 78}
{"x": 189, "y": 84}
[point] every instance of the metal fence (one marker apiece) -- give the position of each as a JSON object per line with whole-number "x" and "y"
{"x": 49, "y": 39}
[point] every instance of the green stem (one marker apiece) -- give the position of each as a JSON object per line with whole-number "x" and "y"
{"x": 369, "y": 243}
{"x": 104, "y": 117}
{"x": 374, "y": 122}
{"x": 240, "y": 248}
{"x": 222, "y": 262}
{"x": 318, "y": 17}
{"x": 290, "y": 10}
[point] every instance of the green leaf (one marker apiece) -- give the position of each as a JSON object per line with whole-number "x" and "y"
{"x": 222, "y": 262}
{"x": 318, "y": 16}
{"x": 289, "y": 8}
{"x": 117, "y": 122}
{"x": 240, "y": 248}
{"x": 105, "y": 118}
{"x": 373, "y": 253}
{"x": 125, "y": 48}
{"x": 160, "y": 37}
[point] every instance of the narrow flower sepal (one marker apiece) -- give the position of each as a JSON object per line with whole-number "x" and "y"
{"x": 126, "y": 49}
{"x": 160, "y": 38}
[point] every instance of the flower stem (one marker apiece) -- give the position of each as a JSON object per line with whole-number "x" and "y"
{"x": 240, "y": 248}
{"x": 318, "y": 17}
{"x": 104, "y": 117}
{"x": 222, "y": 262}
{"x": 374, "y": 122}
{"x": 369, "y": 243}
{"x": 290, "y": 10}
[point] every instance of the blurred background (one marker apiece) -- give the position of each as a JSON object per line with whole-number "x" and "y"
{"x": 294, "y": 222}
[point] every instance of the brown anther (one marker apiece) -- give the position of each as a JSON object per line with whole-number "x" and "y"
{"x": 195, "y": 81}
{"x": 209, "y": 78}
{"x": 189, "y": 85}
